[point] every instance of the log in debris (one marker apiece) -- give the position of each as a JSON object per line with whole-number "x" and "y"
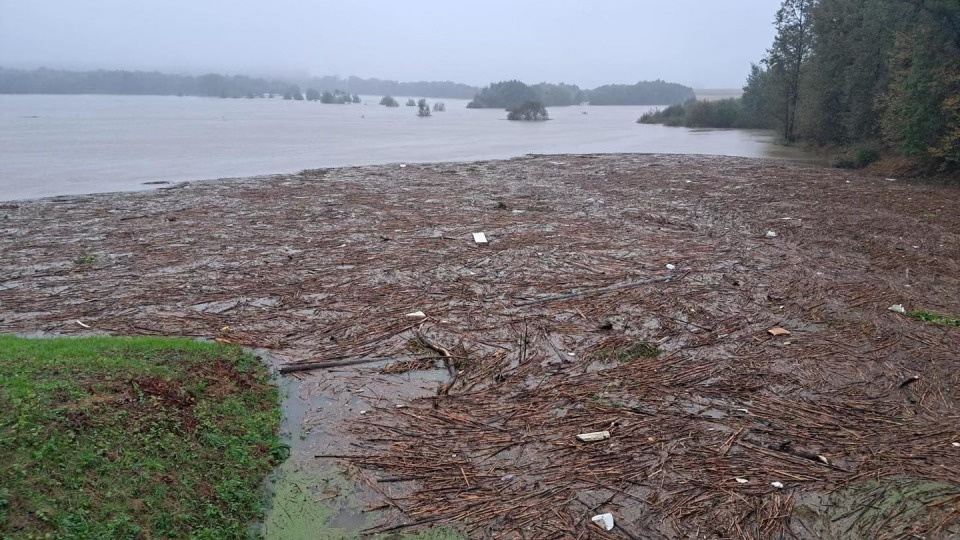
{"x": 307, "y": 366}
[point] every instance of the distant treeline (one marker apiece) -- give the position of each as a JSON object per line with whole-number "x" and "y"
{"x": 872, "y": 76}
{"x": 430, "y": 89}
{"x": 510, "y": 94}
{"x": 54, "y": 81}
{"x": 51, "y": 81}
{"x": 502, "y": 95}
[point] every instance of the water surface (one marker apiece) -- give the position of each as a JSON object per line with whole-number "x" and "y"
{"x": 67, "y": 144}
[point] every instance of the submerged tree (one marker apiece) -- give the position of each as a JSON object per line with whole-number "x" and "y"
{"x": 411, "y": 103}
{"x": 313, "y": 94}
{"x": 531, "y": 110}
{"x": 423, "y": 108}
{"x": 389, "y": 101}
{"x": 439, "y": 106}
{"x": 293, "y": 92}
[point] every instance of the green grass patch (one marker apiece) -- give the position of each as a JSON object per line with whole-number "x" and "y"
{"x": 133, "y": 438}
{"x": 935, "y": 318}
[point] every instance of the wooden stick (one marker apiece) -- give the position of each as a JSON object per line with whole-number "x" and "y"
{"x": 306, "y": 366}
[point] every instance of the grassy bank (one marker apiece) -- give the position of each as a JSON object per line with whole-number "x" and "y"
{"x": 132, "y": 438}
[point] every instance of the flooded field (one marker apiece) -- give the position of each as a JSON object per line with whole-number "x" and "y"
{"x": 59, "y": 145}
{"x": 724, "y": 320}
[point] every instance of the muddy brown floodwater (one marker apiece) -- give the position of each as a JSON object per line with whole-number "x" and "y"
{"x": 568, "y": 321}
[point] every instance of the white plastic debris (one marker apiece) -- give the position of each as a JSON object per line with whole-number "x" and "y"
{"x": 83, "y": 325}
{"x": 594, "y": 436}
{"x": 402, "y": 165}
{"x": 741, "y": 480}
{"x": 771, "y": 234}
{"x": 897, "y": 308}
{"x": 671, "y": 267}
{"x": 778, "y": 485}
{"x": 479, "y": 238}
{"x": 891, "y": 179}
{"x": 603, "y": 520}
{"x": 416, "y": 315}
{"x": 956, "y": 444}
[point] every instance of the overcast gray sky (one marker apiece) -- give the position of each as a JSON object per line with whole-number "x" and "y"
{"x": 701, "y": 43}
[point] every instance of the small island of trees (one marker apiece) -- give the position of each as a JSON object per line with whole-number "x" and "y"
{"x": 508, "y": 94}
{"x": 530, "y": 111}
{"x": 389, "y": 101}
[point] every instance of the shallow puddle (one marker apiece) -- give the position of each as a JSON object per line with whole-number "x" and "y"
{"x": 322, "y": 498}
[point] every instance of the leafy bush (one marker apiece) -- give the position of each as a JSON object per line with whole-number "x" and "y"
{"x": 530, "y": 111}
{"x": 389, "y": 101}
{"x": 673, "y": 115}
{"x": 411, "y": 103}
{"x": 858, "y": 157}
{"x": 724, "y": 113}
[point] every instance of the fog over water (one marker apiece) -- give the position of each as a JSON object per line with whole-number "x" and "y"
{"x": 56, "y": 145}
{"x": 703, "y": 44}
